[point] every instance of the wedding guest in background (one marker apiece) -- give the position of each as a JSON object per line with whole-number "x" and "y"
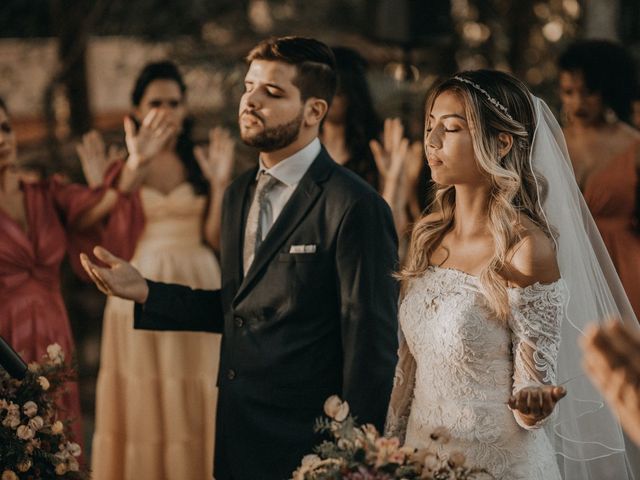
{"x": 597, "y": 82}
{"x": 353, "y": 135}
{"x": 156, "y": 392}
{"x": 352, "y": 121}
{"x": 400, "y": 164}
{"x": 612, "y": 361}
{"x": 41, "y": 221}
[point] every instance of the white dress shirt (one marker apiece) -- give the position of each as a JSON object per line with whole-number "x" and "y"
{"x": 288, "y": 172}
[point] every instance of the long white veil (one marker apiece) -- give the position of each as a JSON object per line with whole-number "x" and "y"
{"x": 584, "y": 432}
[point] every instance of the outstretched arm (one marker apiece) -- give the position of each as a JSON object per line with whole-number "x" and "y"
{"x": 158, "y": 306}
{"x": 535, "y": 327}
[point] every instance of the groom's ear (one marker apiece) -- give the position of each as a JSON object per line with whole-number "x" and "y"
{"x": 505, "y": 142}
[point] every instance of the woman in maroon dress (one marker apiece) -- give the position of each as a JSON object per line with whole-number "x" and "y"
{"x": 40, "y": 223}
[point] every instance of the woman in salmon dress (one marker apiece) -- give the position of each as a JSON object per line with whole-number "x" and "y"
{"x": 605, "y": 149}
{"x": 40, "y": 223}
{"x": 156, "y": 391}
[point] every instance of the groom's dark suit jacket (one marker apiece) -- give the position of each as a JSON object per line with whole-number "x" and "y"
{"x": 298, "y": 327}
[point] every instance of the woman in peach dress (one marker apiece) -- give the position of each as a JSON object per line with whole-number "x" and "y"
{"x": 156, "y": 392}
{"x": 604, "y": 148}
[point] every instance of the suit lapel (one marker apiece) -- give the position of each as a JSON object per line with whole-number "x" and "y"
{"x": 295, "y": 210}
{"x": 237, "y": 213}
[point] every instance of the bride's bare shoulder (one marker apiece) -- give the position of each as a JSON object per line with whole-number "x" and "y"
{"x": 533, "y": 258}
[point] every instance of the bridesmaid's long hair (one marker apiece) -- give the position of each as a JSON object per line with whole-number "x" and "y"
{"x": 362, "y": 123}
{"x": 167, "y": 70}
{"x": 513, "y": 184}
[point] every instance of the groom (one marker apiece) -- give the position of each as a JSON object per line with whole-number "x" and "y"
{"x": 308, "y": 304}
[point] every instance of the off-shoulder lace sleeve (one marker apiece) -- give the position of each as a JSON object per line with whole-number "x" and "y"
{"x": 536, "y": 316}
{"x": 402, "y": 393}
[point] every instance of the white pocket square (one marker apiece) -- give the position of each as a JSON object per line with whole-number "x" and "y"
{"x": 302, "y": 248}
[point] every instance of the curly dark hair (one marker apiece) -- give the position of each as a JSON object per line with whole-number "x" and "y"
{"x": 166, "y": 70}
{"x": 607, "y": 68}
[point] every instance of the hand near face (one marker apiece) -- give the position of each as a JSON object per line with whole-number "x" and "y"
{"x": 118, "y": 278}
{"x": 218, "y": 160}
{"x": 612, "y": 362}
{"x": 534, "y": 404}
{"x": 150, "y": 139}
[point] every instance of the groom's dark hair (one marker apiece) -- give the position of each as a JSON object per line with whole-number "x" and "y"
{"x": 314, "y": 62}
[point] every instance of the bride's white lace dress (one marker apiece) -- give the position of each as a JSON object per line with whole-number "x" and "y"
{"x": 458, "y": 366}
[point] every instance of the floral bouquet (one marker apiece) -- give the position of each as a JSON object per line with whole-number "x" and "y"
{"x": 360, "y": 453}
{"x": 33, "y": 443}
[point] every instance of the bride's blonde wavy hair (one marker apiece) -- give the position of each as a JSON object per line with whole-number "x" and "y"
{"x": 514, "y": 186}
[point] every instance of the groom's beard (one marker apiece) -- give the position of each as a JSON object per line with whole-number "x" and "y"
{"x": 275, "y": 138}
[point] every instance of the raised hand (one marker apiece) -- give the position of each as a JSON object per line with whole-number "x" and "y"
{"x": 534, "y": 404}
{"x": 119, "y": 278}
{"x": 390, "y": 157}
{"x": 218, "y": 160}
{"x": 612, "y": 362}
{"x": 153, "y": 135}
{"x": 94, "y": 157}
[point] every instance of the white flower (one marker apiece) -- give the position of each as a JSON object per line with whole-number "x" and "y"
{"x": 332, "y": 405}
{"x": 25, "y": 432}
{"x": 44, "y": 383}
{"x": 9, "y": 475}
{"x": 36, "y": 423}
{"x": 30, "y": 409}
{"x": 336, "y": 408}
{"x": 344, "y": 444}
{"x": 57, "y": 428}
{"x": 430, "y": 463}
{"x": 55, "y": 354}
{"x": 73, "y": 449}
{"x": 24, "y": 466}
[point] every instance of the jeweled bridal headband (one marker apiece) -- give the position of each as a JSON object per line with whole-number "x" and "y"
{"x": 486, "y": 94}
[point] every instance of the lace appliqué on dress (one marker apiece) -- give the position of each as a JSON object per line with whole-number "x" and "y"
{"x": 458, "y": 366}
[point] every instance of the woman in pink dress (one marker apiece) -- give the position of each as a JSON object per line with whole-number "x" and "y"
{"x": 597, "y": 83}
{"x": 40, "y": 223}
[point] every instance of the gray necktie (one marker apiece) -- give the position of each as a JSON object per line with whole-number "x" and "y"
{"x": 253, "y": 230}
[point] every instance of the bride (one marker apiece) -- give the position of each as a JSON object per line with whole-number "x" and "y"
{"x": 486, "y": 302}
